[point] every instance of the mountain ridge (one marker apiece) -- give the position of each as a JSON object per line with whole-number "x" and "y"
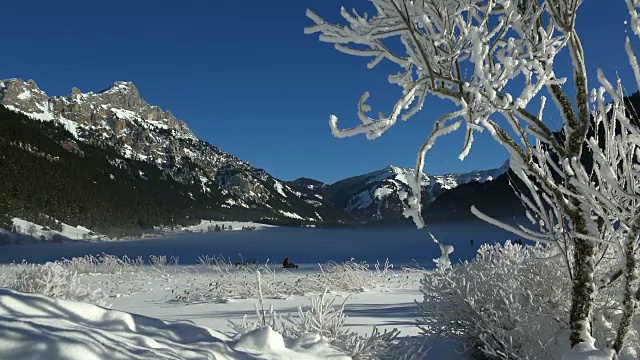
{"x": 118, "y": 117}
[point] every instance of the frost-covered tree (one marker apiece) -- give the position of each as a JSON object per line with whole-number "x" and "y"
{"x": 494, "y": 59}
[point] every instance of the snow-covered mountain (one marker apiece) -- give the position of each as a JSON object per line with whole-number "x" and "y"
{"x": 119, "y": 118}
{"x": 376, "y": 194}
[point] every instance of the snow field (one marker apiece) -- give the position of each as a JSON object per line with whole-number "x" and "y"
{"x": 40, "y": 327}
{"x": 216, "y": 294}
{"x": 509, "y": 299}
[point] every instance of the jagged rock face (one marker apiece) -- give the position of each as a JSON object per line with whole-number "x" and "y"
{"x": 24, "y": 95}
{"x": 119, "y": 117}
{"x": 119, "y": 102}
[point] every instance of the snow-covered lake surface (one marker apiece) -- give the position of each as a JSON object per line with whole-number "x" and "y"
{"x": 401, "y": 245}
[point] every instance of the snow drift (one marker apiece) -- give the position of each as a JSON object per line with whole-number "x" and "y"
{"x": 40, "y": 327}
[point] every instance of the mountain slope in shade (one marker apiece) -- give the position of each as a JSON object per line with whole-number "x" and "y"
{"x": 376, "y": 194}
{"x": 118, "y": 117}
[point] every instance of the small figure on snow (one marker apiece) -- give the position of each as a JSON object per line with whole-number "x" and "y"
{"x": 287, "y": 265}
{"x": 471, "y": 242}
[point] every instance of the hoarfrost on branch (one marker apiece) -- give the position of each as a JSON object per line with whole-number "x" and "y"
{"x": 492, "y": 58}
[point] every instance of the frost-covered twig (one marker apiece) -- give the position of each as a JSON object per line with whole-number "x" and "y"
{"x": 495, "y": 57}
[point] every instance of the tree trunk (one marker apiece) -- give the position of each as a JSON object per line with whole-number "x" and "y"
{"x": 630, "y": 280}
{"x": 582, "y": 291}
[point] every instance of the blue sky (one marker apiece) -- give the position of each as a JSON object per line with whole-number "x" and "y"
{"x": 246, "y": 78}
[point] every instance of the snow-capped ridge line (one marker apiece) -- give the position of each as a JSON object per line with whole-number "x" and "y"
{"x": 377, "y": 193}
{"x": 119, "y": 117}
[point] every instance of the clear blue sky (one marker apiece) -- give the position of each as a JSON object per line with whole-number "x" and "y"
{"x": 245, "y": 78}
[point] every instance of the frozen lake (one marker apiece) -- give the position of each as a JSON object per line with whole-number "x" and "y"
{"x": 302, "y": 245}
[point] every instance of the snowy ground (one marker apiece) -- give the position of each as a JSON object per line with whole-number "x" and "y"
{"x": 387, "y": 308}
{"x": 146, "y": 300}
{"x": 39, "y": 327}
{"x": 82, "y": 331}
{"x": 26, "y": 232}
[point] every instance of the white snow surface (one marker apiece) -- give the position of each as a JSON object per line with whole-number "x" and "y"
{"x": 40, "y": 327}
{"x": 280, "y": 188}
{"x": 124, "y": 114}
{"x": 24, "y": 227}
{"x": 291, "y": 215}
{"x": 25, "y": 95}
{"x": 587, "y": 351}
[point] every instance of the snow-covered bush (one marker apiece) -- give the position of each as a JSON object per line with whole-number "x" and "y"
{"x": 50, "y": 279}
{"x": 510, "y": 301}
{"x": 216, "y": 262}
{"x": 195, "y": 292}
{"x": 323, "y": 318}
{"x": 158, "y": 261}
{"x": 82, "y": 265}
{"x": 103, "y": 264}
{"x": 237, "y": 283}
{"x": 355, "y": 276}
{"x": 231, "y": 282}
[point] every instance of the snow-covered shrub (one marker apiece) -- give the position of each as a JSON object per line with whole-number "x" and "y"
{"x": 232, "y": 282}
{"x": 510, "y": 301}
{"x": 5, "y": 276}
{"x": 50, "y": 279}
{"x": 323, "y": 318}
{"x": 355, "y": 276}
{"x": 87, "y": 264}
{"x": 158, "y": 261}
{"x": 607, "y": 311}
{"x": 195, "y": 293}
{"x": 237, "y": 283}
{"x": 216, "y": 262}
{"x": 103, "y": 264}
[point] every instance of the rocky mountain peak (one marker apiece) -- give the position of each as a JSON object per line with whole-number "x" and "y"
{"x": 120, "y": 118}
{"x": 23, "y": 95}
{"x": 74, "y": 92}
{"x": 118, "y": 113}
{"x": 123, "y": 95}
{"x": 122, "y": 87}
